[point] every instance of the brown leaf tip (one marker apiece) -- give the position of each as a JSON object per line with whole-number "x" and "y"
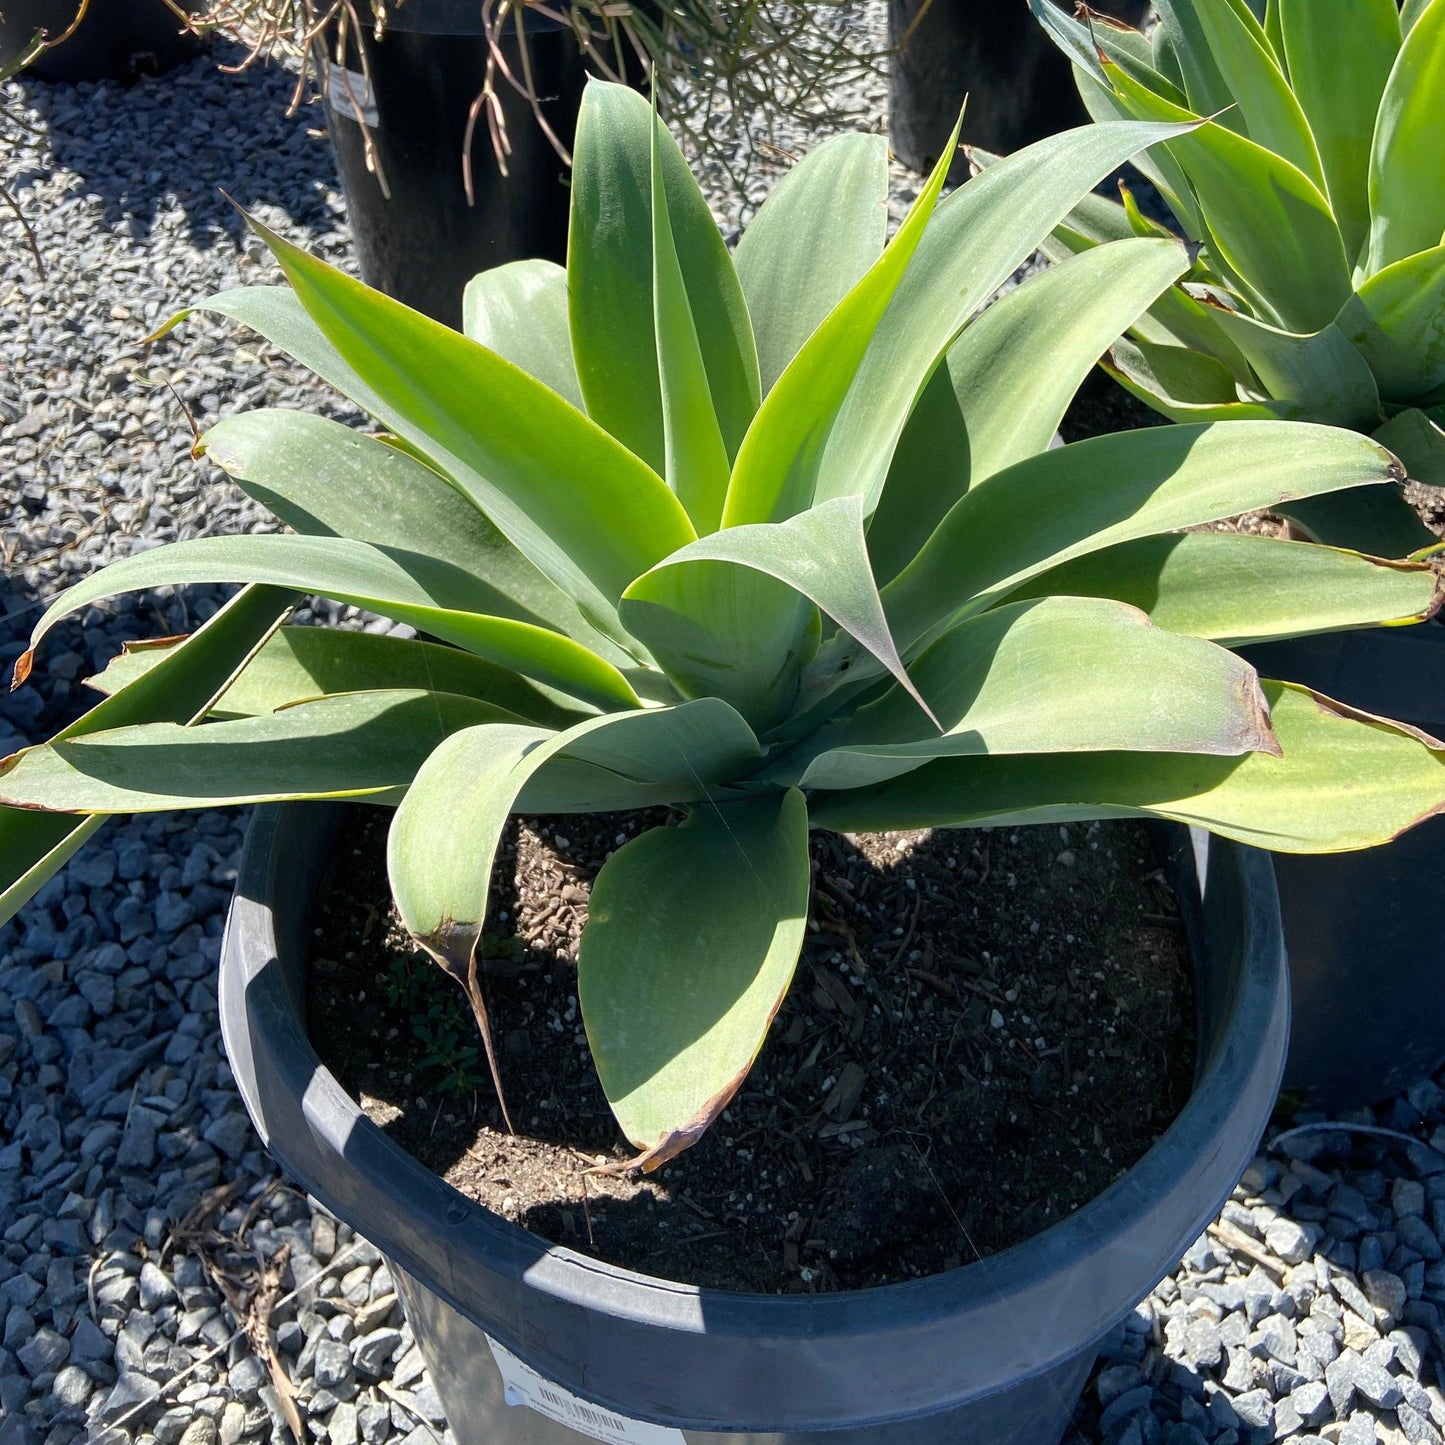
{"x": 23, "y": 664}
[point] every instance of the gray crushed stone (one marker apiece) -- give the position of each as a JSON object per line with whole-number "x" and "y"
{"x": 1312, "y": 1310}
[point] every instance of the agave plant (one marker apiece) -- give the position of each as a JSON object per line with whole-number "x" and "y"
{"x": 1317, "y": 193}
{"x": 776, "y": 541}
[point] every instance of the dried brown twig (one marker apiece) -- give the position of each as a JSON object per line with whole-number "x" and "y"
{"x": 718, "y": 65}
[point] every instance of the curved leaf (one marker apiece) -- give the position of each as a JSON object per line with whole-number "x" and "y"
{"x": 1396, "y": 320}
{"x": 673, "y": 1041}
{"x": 1006, "y": 382}
{"x": 1345, "y": 781}
{"x": 610, "y": 282}
{"x": 1186, "y": 385}
{"x": 1110, "y": 489}
{"x": 1272, "y": 115}
{"x": 820, "y": 554}
{"x": 1234, "y": 589}
{"x": 1321, "y": 376}
{"x": 520, "y": 311}
{"x": 432, "y": 596}
{"x": 821, "y": 228}
{"x": 584, "y": 509}
{"x": 1339, "y": 59}
{"x": 981, "y": 234}
{"x": 1267, "y": 218}
{"x": 697, "y": 460}
{"x": 324, "y": 479}
{"x": 1062, "y": 674}
{"x": 1407, "y": 188}
{"x": 35, "y": 846}
{"x": 777, "y": 468}
{"x": 301, "y": 663}
{"x": 1418, "y": 439}
{"x": 359, "y": 745}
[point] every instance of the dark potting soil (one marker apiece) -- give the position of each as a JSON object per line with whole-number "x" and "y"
{"x": 986, "y": 1028}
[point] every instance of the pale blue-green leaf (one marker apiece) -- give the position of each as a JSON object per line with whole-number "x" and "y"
{"x": 819, "y": 231}
{"x": 673, "y": 1042}
{"x": 1339, "y": 60}
{"x": 1058, "y": 674}
{"x": 519, "y": 310}
{"x": 1080, "y": 498}
{"x": 432, "y": 596}
{"x": 1397, "y": 322}
{"x": 1006, "y": 382}
{"x": 609, "y": 270}
{"x": 1407, "y": 181}
{"x": 358, "y": 745}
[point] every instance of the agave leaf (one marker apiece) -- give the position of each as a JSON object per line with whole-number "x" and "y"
{"x": 1321, "y": 375}
{"x": 360, "y": 745}
{"x": 431, "y": 596}
{"x": 1273, "y": 117}
{"x": 520, "y": 311}
{"x": 1345, "y": 781}
{"x": 327, "y": 480}
{"x": 1082, "y": 42}
{"x": 777, "y": 468}
{"x": 1186, "y": 385}
{"x": 1377, "y": 520}
{"x": 697, "y": 460}
{"x": 1235, "y": 589}
{"x": 610, "y": 278}
{"x": 443, "y": 839}
{"x": 1396, "y": 320}
{"x": 980, "y": 236}
{"x": 1109, "y": 489}
{"x": 1157, "y": 166}
{"x": 1006, "y": 382}
{"x": 1204, "y": 86}
{"x": 1339, "y": 60}
{"x": 300, "y": 663}
{"x": 35, "y": 846}
{"x": 1060, "y": 674}
{"x": 820, "y": 555}
{"x": 816, "y": 236}
{"x": 1407, "y": 187}
{"x": 589, "y": 513}
{"x": 673, "y": 1041}
{"x": 1410, "y": 12}
{"x": 1267, "y": 219}
{"x": 1419, "y": 441}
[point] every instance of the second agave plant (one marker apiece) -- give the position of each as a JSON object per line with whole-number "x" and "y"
{"x": 1317, "y": 193}
{"x": 777, "y": 541}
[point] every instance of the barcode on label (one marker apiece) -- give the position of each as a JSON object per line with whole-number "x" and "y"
{"x": 525, "y": 1387}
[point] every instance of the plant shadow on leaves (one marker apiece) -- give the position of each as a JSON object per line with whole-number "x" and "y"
{"x": 889, "y": 1129}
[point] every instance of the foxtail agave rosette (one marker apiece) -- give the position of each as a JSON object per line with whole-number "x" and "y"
{"x": 776, "y": 541}
{"x": 1317, "y": 191}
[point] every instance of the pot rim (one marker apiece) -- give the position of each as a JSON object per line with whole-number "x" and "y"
{"x": 1245, "y": 1063}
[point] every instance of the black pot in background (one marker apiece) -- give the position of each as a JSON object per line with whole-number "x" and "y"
{"x": 426, "y": 242}
{"x": 996, "y": 1352}
{"x": 1362, "y": 930}
{"x": 1019, "y": 85}
{"x": 117, "y": 40}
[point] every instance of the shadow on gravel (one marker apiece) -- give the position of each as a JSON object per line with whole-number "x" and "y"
{"x": 189, "y": 135}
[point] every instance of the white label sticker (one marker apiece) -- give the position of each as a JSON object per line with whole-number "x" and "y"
{"x": 349, "y": 93}
{"x": 524, "y": 1386}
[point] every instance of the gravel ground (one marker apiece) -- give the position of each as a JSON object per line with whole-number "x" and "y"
{"x": 143, "y": 1232}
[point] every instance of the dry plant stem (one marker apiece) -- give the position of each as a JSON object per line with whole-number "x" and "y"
{"x": 473, "y": 989}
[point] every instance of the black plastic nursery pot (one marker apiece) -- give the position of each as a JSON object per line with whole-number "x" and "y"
{"x": 117, "y": 40}
{"x": 533, "y": 1344}
{"x": 1366, "y": 956}
{"x": 424, "y": 241}
{"x": 1018, "y": 83}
